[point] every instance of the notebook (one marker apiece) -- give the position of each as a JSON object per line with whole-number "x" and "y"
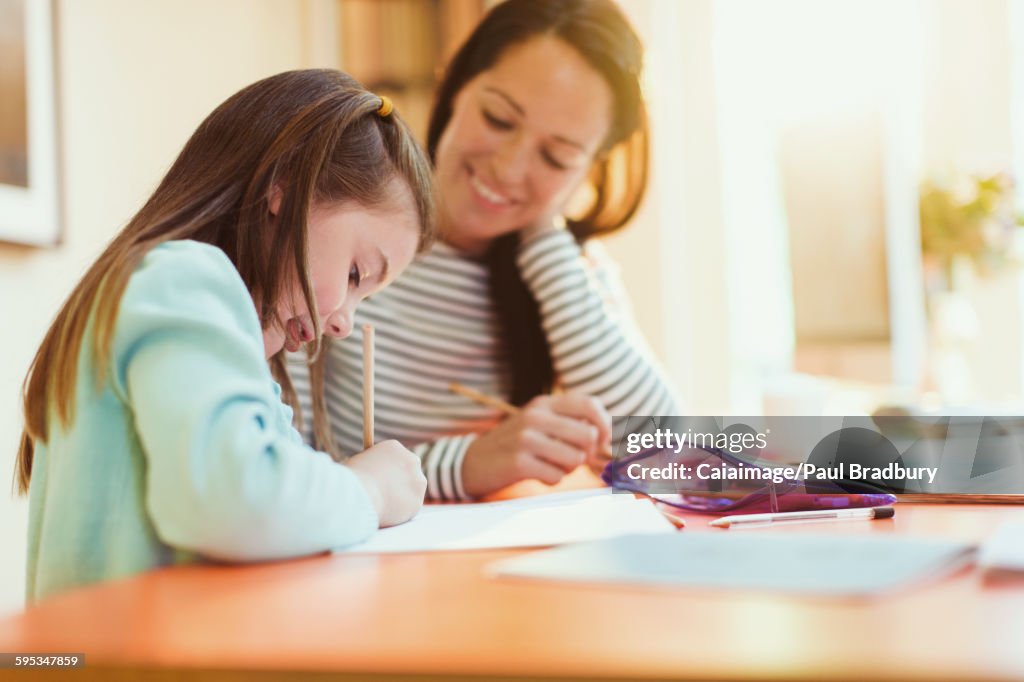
{"x": 811, "y": 564}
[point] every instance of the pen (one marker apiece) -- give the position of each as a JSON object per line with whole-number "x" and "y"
{"x": 863, "y": 513}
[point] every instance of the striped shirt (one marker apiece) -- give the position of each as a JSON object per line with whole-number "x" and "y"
{"x": 437, "y": 324}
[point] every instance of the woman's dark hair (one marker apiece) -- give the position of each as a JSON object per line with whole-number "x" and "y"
{"x": 601, "y": 34}
{"x": 316, "y": 136}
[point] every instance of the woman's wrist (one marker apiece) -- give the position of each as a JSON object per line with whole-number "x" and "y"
{"x": 541, "y": 228}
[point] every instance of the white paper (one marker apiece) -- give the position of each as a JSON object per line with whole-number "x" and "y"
{"x": 1004, "y": 550}
{"x": 810, "y": 564}
{"x": 538, "y": 521}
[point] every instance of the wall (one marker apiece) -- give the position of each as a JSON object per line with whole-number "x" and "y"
{"x": 136, "y": 79}
{"x": 714, "y": 213}
{"x": 673, "y": 255}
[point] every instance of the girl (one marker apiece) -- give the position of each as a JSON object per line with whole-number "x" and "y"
{"x": 543, "y": 99}
{"x": 155, "y": 433}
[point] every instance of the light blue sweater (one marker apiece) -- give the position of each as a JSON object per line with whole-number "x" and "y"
{"x": 185, "y": 450}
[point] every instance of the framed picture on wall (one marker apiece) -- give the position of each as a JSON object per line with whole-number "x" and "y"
{"x": 29, "y": 196}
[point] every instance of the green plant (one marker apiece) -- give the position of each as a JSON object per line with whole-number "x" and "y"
{"x": 974, "y": 218}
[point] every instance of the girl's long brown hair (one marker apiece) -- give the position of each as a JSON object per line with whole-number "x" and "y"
{"x": 600, "y": 33}
{"x": 316, "y": 136}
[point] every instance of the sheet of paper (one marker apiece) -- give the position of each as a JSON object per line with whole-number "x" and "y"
{"x": 538, "y": 521}
{"x": 794, "y": 563}
{"x": 1004, "y": 550}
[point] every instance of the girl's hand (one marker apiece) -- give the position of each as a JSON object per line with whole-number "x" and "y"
{"x": 394, "y": 479}
{"x": 550, "y": 437}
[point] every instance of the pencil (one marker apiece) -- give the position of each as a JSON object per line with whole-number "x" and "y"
{"x": 483, "y": 398}
{"x": 496, "y": 403}
{"x": 367, "y": 386}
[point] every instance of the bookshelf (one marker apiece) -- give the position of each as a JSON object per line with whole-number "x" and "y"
{"x": 399, "y": 48}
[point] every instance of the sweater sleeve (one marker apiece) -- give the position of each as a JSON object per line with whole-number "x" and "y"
{"x": 442, "y": 465}
{"x": 227, "y": 475}
{"x": 595, "y": 346}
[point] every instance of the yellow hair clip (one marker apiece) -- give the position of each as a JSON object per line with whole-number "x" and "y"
{"x": 386, "y": 107}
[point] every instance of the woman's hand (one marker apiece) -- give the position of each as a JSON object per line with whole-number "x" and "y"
{"x": 546, "y": 223}
{"x": 550, "y": 437}
{"x": 394, "y": 479}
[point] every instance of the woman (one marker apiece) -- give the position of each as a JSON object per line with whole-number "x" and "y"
{"x": 154, "y": 432}
{"x": 543, "y": 97}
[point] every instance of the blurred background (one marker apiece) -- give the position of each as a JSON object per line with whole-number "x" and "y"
{"x": 832, "y": 223}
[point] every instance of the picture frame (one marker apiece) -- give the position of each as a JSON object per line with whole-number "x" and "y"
{"x": 29, "y": 179}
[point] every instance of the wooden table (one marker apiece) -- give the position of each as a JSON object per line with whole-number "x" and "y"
{"x": 436, "y": 616}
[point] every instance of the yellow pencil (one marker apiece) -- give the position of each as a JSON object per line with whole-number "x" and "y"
{"x": 499, "y": 403}
{"x": 367, "y": 386}
{"x": 483, "y": 398}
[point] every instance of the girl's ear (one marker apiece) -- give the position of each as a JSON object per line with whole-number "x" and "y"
{"x": 274, "y": 197}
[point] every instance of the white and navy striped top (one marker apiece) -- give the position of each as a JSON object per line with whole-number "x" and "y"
{"x": 437, "y": 324}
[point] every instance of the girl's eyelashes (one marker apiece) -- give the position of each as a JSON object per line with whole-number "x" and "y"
{"x": 495, "y": 122}
{"x": 355, "y": 277}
